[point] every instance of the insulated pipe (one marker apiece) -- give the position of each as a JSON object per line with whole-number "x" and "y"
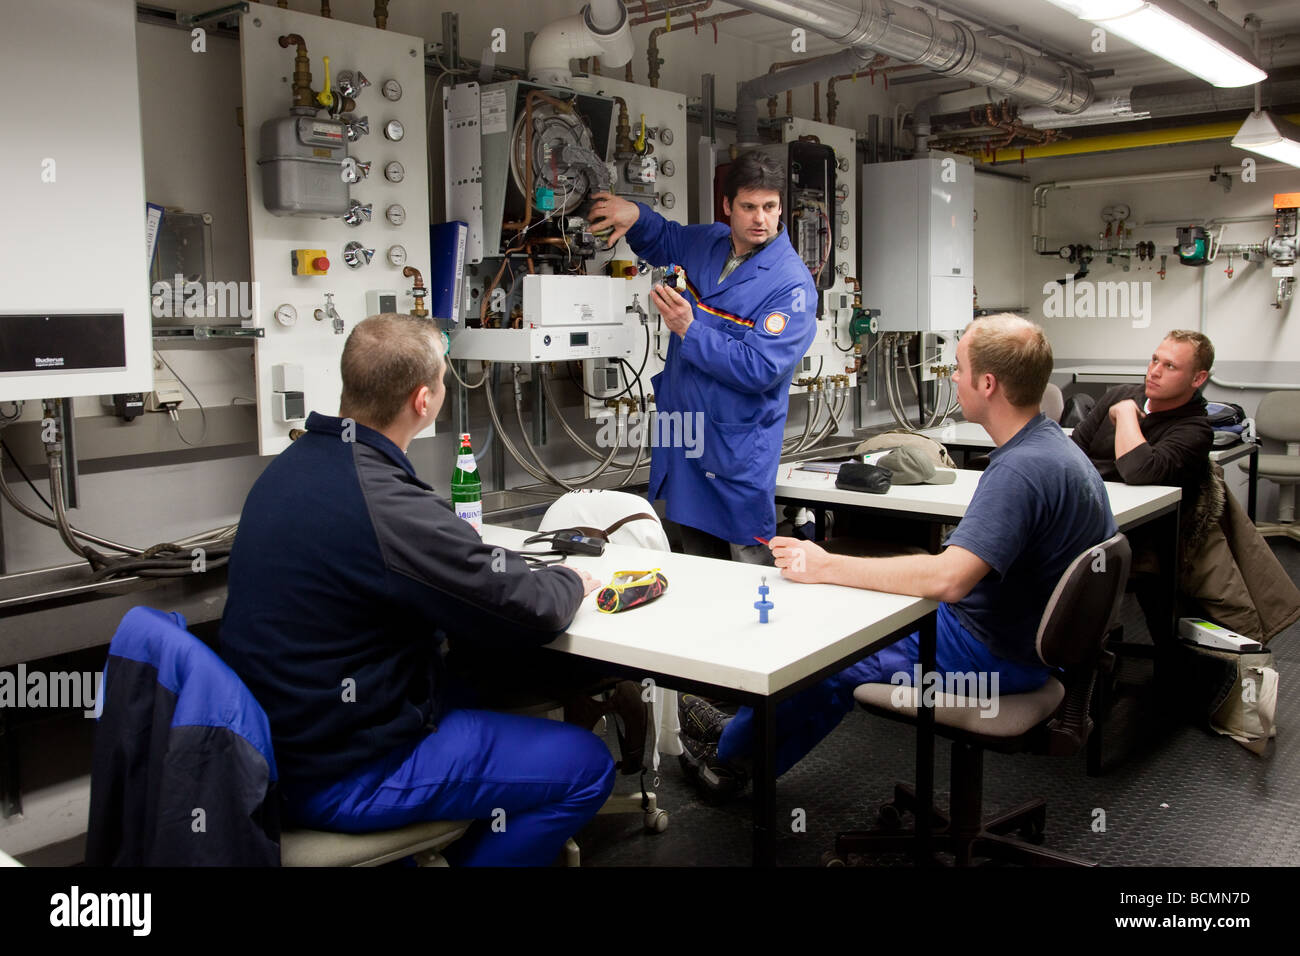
{"x": 750, "y": 92}
{"x": 951, "y": 49}
{"x": 944, "y": 103}
{"x": 601, "y": 29}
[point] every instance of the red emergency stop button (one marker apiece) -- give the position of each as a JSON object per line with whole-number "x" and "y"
{"x": 320, "y": 264}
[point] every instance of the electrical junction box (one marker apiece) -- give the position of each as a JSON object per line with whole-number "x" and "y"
{"x": 381, "y": 302}
{"x": 918, "y": 237}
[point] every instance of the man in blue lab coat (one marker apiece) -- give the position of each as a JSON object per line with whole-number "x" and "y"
{"x": 740, "y": 327}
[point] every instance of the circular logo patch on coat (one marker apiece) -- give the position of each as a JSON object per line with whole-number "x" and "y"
{"x": 775, "y": 323}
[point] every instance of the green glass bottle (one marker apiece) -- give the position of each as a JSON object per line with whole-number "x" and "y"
{"x": 466, "y": 488}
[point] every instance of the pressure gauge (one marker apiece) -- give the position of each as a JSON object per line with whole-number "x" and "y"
{"x": 397, "y": 256}
{"x": 396, "y": 214}
{"x": 394, "y": 130}
{"x": 1065, "y": 252}
{"x": 394, "y": 172}
{"x": 286, "y": 314}
{"x": 392, "y": 90}
{"x": 668, "y": 200}
{"x": 665, "y": 136}
{"x": 844, "y": 242}
{"x": 667, "y": 167}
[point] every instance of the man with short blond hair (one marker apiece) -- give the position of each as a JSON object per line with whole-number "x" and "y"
{"x": 348, "y": 577}
{"x": 1156, "y": 433}
{"x": 1038, "y": 505}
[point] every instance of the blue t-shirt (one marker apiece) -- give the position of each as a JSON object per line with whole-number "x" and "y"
{"x": 1038, "y": 505}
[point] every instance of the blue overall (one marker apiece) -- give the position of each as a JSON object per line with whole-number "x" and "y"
{"x": 725, "y": 385}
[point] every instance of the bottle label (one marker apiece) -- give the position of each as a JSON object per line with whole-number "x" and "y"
{"x": 471, "y": 511}
{"x": 466, "y": 463}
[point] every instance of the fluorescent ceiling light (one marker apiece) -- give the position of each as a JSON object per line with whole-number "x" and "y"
{"x": 1274, "y": 138}
{"x": 1197, "y": 47}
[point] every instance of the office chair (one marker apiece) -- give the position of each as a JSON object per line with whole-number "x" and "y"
{"x": 625, "y": 519}
{"x": 1052, "y": 720}
{"x": 1053, "y": 403}
{"x": 1278, "y": 418}
{"x": 183, "y": 772}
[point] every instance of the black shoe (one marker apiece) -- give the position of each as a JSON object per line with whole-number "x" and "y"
{"x": 700, "y": 719}
{"x": 717, "y": 781}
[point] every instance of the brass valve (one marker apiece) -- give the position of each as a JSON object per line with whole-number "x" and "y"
{"x": 418, "y": 292}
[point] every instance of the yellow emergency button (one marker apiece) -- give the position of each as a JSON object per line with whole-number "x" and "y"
{"x": 309, "y": 262}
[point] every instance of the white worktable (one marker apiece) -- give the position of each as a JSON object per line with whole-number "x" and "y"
{"x": 705, "y": 628}
{"x": 703, "y": 634}
{"x": 1131, "y": 504}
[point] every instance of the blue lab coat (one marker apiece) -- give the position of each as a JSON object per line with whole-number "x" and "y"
{"x": 730, "y": 376}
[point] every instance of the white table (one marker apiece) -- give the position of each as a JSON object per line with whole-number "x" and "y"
{"x": 968, "y": 436}
{"x": 704, "y": 636}
{"x": 1122, "y": 374}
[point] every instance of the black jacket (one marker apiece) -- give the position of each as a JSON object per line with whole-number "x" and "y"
{"x": 345, "y": 576}
{"x": 1177, "y": 445}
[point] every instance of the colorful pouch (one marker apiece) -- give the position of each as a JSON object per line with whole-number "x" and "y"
{"x": 631, "y": 589}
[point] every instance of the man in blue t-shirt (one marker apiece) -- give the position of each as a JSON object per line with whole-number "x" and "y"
{"x": 1039, "y": 504}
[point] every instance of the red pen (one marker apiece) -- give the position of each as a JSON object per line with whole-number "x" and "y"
{"x": 760, "y": 540}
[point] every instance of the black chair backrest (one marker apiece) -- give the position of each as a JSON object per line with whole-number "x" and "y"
{"x": 1084, "y": 604}
{"x": 1077, "y": 407}
{"x": 1072, "y": 635}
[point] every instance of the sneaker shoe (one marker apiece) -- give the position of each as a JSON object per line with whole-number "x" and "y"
{"x": 700, "y": 719}
{"x": 717, "y": 781}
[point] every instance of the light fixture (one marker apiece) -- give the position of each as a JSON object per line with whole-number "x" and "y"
{"x": 1174, "y": 34}
{"x": 1269, "y": 136}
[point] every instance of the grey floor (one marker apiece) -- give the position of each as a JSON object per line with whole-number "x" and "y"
{"x": 1186, "y": 797}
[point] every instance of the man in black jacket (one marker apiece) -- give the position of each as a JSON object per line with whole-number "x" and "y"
{"x": 347, "y": 574}
{"x": 1156, "y": 433}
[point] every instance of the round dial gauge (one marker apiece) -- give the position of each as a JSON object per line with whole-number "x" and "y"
{"x": 668, "y": 200}
{"x": 394, "y": 172}
{"x": 397, "y": 255}
{"x": 666, "y": 136}
{"x": 667, "y": 167}
{"x": 396, "y": 214}
{"x": 394, "y": 130}
{"x": 392, "y": 90}
{"x": 286, "y": 314}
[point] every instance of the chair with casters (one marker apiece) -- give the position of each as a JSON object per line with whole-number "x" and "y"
{"x": 1278, "y": 418}
{"x": 1053, "y": 721}
{"x": 183, "y": 772}
{"x": 624, "y": 519}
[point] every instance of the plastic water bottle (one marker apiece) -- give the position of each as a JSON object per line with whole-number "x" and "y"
{"x": 466, "y": 488}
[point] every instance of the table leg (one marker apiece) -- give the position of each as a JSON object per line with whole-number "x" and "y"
{"x": 764, "y": 783}
{"x": 1254, "y": 482}
{"x": 925, "y": 747}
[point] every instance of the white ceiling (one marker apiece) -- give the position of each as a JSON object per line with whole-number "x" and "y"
{"x": 1037, "y": 19}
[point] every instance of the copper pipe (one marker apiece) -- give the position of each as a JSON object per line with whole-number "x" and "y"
{"x": 418, "y": 310}
{"x": 652, "y": 48}
{"x": 832, "y": 101}
{"x": 325, "y": 9}
{"x": 528, "y": 153}
{"x": 654, "y": 11}
{"x": 302, "y": 92}
{"x": 381, "y": 14}
{"x": 789, "y": 94}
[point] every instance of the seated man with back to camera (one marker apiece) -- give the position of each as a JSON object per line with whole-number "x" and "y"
{"x": 1038, "y": 506}
{"x": 347, "y": 574}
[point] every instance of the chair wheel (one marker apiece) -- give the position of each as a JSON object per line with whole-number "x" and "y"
{"x": 889, "y": 816}
{"x": 831, "y": 859}
{"x": 656, "y": 821}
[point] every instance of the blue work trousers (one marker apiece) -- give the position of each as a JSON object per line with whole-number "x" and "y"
{"x": 805, "y": 718}
{"x": 529, "y": 783}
